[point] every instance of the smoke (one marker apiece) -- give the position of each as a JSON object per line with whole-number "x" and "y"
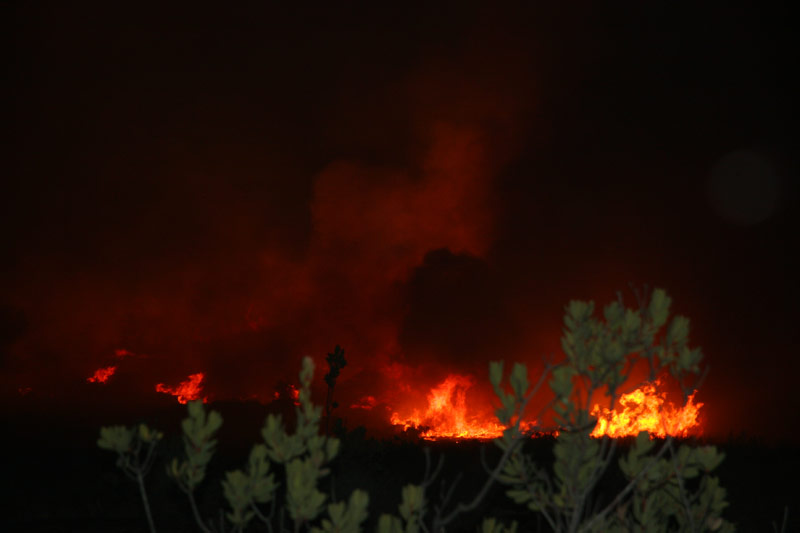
{"x": 226, "y": 192}
{"x": 199, "y": 266}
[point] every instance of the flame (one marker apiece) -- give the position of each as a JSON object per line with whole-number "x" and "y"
{"x": 101, "y": 375}
{"x": 187, "y": 390}
{"x": 646, "y": 409}
{"x": 446, "y": 414}
{"x": 294, "y": 394}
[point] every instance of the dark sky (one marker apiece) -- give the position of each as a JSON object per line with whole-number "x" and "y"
{"x": 226, "y": 189}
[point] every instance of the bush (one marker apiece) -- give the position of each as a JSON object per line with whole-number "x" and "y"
{"x": 668, "y": 487}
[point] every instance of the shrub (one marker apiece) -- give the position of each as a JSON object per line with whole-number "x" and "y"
{"x": 667, "y": 487}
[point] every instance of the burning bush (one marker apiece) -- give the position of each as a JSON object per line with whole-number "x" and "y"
{"x": 667, "y": 487}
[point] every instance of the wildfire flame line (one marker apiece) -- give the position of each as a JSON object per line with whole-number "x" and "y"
{"x": 646, "y": 409}
{"x": 446, "y": 414}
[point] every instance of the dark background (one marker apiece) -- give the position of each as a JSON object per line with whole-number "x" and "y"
{"x": 225, "y": 189}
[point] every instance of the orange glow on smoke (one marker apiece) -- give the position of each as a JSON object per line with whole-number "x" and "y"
{"x": 646, "y": 409}
{"x": 187, "y": 390}
{"x": 366, "y": 403}
{"x": 446, "y": 414}
{"x": 102, "y": 375}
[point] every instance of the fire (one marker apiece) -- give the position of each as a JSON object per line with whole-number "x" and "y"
{"x": 187, "y": 390}
{"x": 102, "y": 375}
{"x": 645, "y": 409}
{"x": 446, "y": 414}
{"x": 289, "y": 391}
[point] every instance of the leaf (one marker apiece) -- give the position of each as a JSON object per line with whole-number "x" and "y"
{"x": 678, "y": 331}
{"x": 562, "y": 381}
{"x": 518, "y": 495}
{"x": 519, "y": 380}
{"x": 614, "y": 314}
{"x": 306, "y": 372}
{"x": 236, "y": 488}
{"x": 491, "y": 525}
{"x": 389, "y": 524}
{"x": 495, "y": 373}
{"x": 331, "y": 448}
{"x": 708, "y": 457}
{"x": 413, "y": 503}
{"x": 115, "y": 438}
{"x": 643, "y": 444}
{"x": 659, "y": 307}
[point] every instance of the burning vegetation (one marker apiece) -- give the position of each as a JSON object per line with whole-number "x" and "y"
{"x": 453, "y": 408}
{"x": 646, "y": 409}
{"x": 187, "y": 390}
{"x": 447, "y": 415}
{"x": 660, "y": 483}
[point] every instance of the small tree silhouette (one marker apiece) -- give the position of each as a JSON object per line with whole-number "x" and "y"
{"x": 336, "y": 362}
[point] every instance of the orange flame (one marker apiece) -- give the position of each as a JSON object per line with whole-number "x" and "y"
{"x": 645, "y": 409}
{"x": 187, "y": 390}
{"x": 293, "y": 393}
{"x": 446, "y": 415}
{"x": 101, "y": 375}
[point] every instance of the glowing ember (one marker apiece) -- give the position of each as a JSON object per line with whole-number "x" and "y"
{"x": 645, "y": 409}
{"x": 102, "y": 375}
{"x": 446, "y": 414}
{"x": 290, "y": 391}
{"x": 367, "y": 402}
{"x": 187, "y": 390}
{"x": 122, "y": 352}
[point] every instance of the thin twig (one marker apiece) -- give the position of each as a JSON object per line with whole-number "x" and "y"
{"x": 628, "y": 488}
{"x": 428, "y": 478}
{"x": 682, "y": 490}
{"x": 195, "y": 511}
{"x": 439, "y": 522}
{"x": 260, "y": 515}
{"x": 143, "y": 494}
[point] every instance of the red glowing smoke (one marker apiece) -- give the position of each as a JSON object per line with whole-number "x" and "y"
{"x": 102, "y": 375}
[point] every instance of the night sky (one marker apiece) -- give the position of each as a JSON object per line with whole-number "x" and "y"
{"x": 224, "y": 190}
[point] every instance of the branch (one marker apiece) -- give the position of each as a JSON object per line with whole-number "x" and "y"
{"x": 628, "y": 488}
{"x": 260, "y": 515}
{"x": 439, "y": 522}
{"x": 195, "y": 512}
